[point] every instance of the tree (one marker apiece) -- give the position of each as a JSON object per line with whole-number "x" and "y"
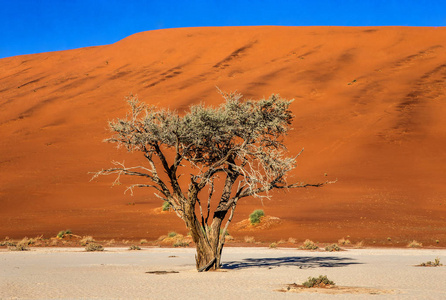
{"x": 239, "y": 143}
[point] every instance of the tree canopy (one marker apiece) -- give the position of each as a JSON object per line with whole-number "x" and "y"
{"x": 239, "y": 142}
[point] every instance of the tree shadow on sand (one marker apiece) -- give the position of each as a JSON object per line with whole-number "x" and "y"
{"x": 291, "y": 261}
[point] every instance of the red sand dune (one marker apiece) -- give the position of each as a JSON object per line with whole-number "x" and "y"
{"x": 369, "y": 106}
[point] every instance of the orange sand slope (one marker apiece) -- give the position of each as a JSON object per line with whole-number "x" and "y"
{"x": 369, "y": 106}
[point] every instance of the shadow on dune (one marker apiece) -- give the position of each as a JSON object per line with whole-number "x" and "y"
{"x": 294, "y": 261}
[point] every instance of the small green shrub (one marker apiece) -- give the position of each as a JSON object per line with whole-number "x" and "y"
{"x": 435, "y": 263}
{"x": 255, "y": 216}
{"x": 332, "y": 248}
{"x": 172, "y": 234}
{"x": 166, "y": 206}
{"x": 309, "y": 245}
{"x": 94, "y": 247}
{"x": 63, "y": 233}
{"x": 134, "y": 247}
{"x": 321, "y": 281}
{"x": 273, "y": 245}
{"x": 143, "y": 241}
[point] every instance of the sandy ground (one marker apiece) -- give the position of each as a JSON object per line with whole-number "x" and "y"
{"x": 248, "y": 273}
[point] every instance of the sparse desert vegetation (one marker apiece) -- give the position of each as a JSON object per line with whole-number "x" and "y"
{"x": 309, "y": 245}
{"x": 166, "y": 206}
{"x": 318, "y": 282}
{"x": 414, "y": 244}
{"x": 249, "y": 239}
{"x": 23, "y": 245}
{"x": 94, "y": 247}
{"x": 344, "y": 242}
{"x": 64, "y": 233}
{"x": 181, "y": 244}
{"x": 359, "y": 245}
{"x": 86, "y": 240}
{"x": 172, "y": 234}
{"x": 333, "y": 248}
{"x": 435, "y": 263}
{"x": 256, "y": 216}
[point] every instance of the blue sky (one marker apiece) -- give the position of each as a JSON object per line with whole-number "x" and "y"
{"x": 33, "y": 26}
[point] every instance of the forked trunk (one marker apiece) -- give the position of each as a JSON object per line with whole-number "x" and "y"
{"x": 206, "y": 240}
{"x": 207, "y": 257}
{"x": 209, "y": 248}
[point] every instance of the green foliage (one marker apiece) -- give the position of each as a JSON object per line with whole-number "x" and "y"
{"x": 314, "y": 282}
{"x": 273, "y": 245}
{"x": 255, "y": 216}
{"x": 94, "y": 247}
{"x": 166, "y": 206}
{"x": 332, "y": 248}
{"x": 207, "y": 136}
{"x": 63, "y": 233}
{"x": 134, "y": 247}
{"x": 172, "y": 234}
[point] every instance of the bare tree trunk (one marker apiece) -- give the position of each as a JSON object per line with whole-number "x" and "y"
{"x": 207, "y": 256}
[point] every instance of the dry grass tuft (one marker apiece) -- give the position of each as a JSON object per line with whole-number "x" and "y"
{"x": 359, "y": 245}
{"x": 94, "y": 247}
{"x": 414, "y": 244}
{"x": 86, "y": 240}
{"x": 249, "y": 239}
{"x": 21, "y": 246}
{"x": 344, "y": 242}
